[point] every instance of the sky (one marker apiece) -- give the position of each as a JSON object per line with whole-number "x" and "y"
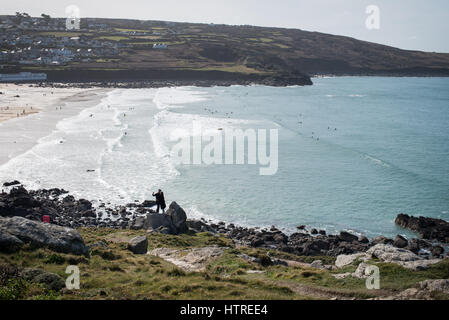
{"x": 406, "y": 24}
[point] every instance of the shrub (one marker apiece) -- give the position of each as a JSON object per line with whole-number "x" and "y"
{"x": 54, "y": 259}
{"x": 14, "y": 289}
{"x": 7, "y": 271}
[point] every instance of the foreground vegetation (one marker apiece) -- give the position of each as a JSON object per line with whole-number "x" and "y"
{"x": 114, "y": 272}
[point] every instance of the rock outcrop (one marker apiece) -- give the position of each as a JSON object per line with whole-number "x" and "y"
{"x": 388, "y": 253}
{"x": 428, "y": 228}
{"x": 195, "y": 259}
{"x": 346, "y": 259}
{"x": 425, "y": 290}
{"x": 403, "y": 257}
{"x": 16, "y": 231}
{"x": 172, "y": 222}
{"x": 66, "y": 211}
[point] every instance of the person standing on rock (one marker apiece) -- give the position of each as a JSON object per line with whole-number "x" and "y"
{"x": 160, "y": 200}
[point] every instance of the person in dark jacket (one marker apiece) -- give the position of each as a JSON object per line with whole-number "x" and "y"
{"x": 160, "y": 200}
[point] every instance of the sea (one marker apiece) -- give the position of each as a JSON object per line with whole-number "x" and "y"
{"x": 353, "y": 152}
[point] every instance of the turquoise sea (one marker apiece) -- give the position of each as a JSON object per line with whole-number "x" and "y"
{"x": 353, "y": 152}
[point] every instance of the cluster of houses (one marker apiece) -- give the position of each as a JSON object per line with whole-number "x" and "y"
{"x": 55, "y": 51}
{"x": 25, "y": 22}
{"x": 35, "y": 49}
{"x": 20, "y": 46}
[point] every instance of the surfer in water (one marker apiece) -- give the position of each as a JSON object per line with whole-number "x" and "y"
{"x": 160, "y": 200}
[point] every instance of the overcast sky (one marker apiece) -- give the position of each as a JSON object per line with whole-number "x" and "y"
{"x": 407, "y": 24}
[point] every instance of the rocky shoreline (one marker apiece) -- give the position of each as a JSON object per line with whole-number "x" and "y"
{"x": 66, "y": 211}
{"x": 275, "y": 81}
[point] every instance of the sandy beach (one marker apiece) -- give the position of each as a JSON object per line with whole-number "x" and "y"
{"x": 28, "y": 113}
{"x": 22, "y": 100}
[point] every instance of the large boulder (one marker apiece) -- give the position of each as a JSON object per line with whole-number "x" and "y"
{"x": 389, "y": 253}
{"x": 403, "y": 257}
{"x": 156, "y": 220}
{"x": 138, "y": 245}
{"x": 17, "y": 203}
{"x": 382, "y": 240}
{"x": 51, "y": 280}
{"x": 39, "y": 234}
{"x": 346, "y": 236}
{"x": 400, "y": 242}
{"x": 9, "y": 243}
{"x": 174, "y": 220}
{"x": 137, "y": 223}
{"x": 178, "y": 217}
{"x": 345, "y": 259}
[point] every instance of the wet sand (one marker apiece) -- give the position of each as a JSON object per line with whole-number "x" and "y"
{"x": 30, "y": 113}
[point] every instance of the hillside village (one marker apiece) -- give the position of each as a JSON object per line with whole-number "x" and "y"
{"x": 44, "y": 41}
{"x": 118, "y": 49}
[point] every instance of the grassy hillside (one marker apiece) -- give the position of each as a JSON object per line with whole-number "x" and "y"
{"x": 247, "y": 52}
{"x": 113, "y": 272}
{"x": 262, "y": 49}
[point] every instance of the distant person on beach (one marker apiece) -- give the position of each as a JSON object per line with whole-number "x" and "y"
{"x": 160, "y": 200}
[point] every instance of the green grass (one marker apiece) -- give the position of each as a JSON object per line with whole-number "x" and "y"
{"x": 113, "y": 272}
{"x": 112, "y": 38}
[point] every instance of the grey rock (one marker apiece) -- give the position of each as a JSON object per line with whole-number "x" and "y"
{"x": 174, "y": 220}
{"x": 156, "y": 220}
{"x": 9, "y": 243}
{"x": 137, "y": 223}
{"x": 345, "y": 259}
{"x": 39, "y": 234}
{"x": 382, "y": 240}
{"x": 437, "y": 251}
{"x": 400, "y": 242}
{"x": 138, "y": 245}
{"x": 51, "y": 280}
{"x": 360, "y": 272}
{"x": 178, "y": 217}
{"x": 195, "y": 225}
{"x": 388, "y": 253}
{"x": 435, "y": 285}
{"x": 346, "y": 236}
{"x": 363, "y": 239}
